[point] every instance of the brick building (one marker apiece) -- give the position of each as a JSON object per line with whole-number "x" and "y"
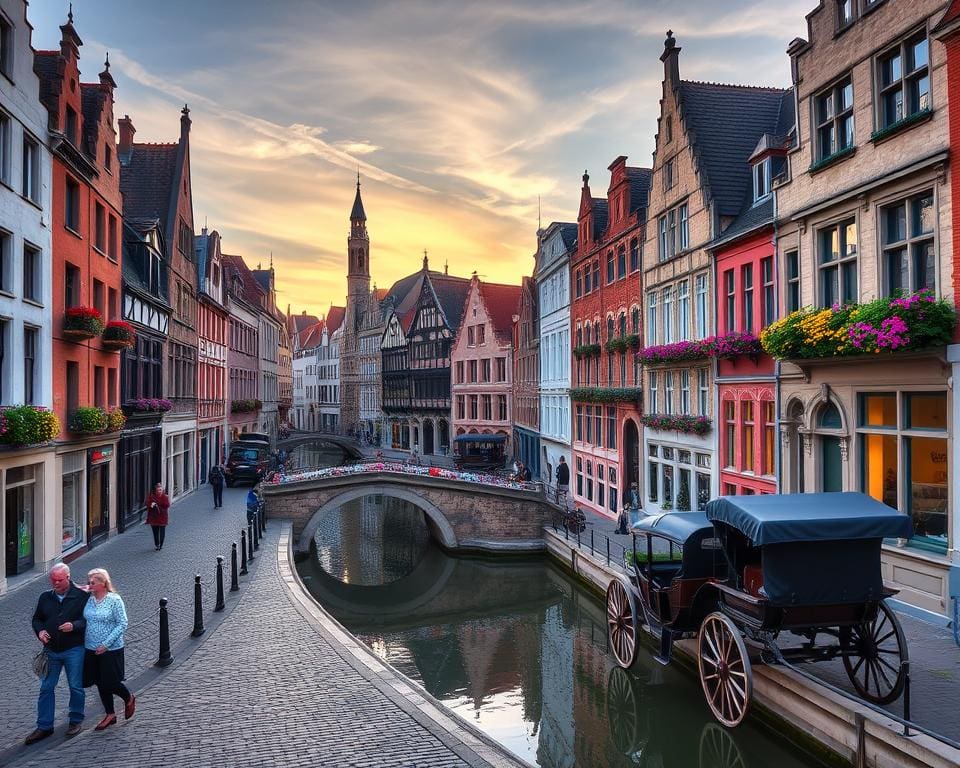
{"x": 242, "y": 299}
{"x": 526, "y": 377}
{"x": 867, "y": 213}
{"x": 212, "y": 324}
{"x": 86, "y": 274}
{"x": 605, "y": 326}
{"x": 481, "y": 358}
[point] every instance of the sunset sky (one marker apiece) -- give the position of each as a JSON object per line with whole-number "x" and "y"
{"x": 458, "y": 114}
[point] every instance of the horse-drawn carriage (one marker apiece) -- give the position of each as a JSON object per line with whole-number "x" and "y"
{"x": 757, "y": 567}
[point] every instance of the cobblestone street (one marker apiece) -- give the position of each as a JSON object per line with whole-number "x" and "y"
{"x": 266, "y": 686}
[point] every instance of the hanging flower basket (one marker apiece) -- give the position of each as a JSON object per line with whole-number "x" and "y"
{"x": 119, "y": 335}
{"x": 80, "y": 323}
{"x": 28, "y": 425}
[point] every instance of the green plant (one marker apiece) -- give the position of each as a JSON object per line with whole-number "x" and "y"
{"x": 633, "y": 341}
{"x": 691, "y": 425}
{"x": 87, "y": 320}
{"x": 586, "y": 350}
{"x": 119, "y": 333}
{"x": 683, "y": 496}
{"x": 606, "y": 394}
{"x": 617, "y": 344}
{"x": 115, "y": 420}
{"x": 89, "y": 420}
{"x": 28, "y": 425}
{"x": 640, "y": 557}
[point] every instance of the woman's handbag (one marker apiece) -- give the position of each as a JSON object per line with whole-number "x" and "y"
{"x": 41, "y": 663}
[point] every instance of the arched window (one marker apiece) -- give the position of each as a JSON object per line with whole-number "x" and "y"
{"x": 596, "y": 331}
{"x": 609, "y": 327}
{"x": 635, "y": 320}
{"x": 587, "y": 338}
{"x": 579, "y": 336}
{"x": 623, "y": 323}
{"x": 829, "y": 417}
{"x": 596, "y": 273}
{"x": 621, "y": 262}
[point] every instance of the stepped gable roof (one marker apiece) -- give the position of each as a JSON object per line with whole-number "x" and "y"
{"x": 92, "y": 98}
{"x": 501, "y": 302}
{"x": 235, "y": 265}
{"x": 639, "y": 183}
{"x": 309, "y": 336}
{"x": 146, "y": 178}
{"x": 451, "y": 294}
{"x": 335, "y": 318}
{"x": 724, "y": 123}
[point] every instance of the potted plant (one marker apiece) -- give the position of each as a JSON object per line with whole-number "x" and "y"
{"x": 81, "y": 323}
{"x": 119, "y": 335}
{"x": 115, "y": 420}
{"x": 88, "y": 420}
{"x": 28, "y": 425}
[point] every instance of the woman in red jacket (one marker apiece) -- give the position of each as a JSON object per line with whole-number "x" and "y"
{"x": 157, "y": 505}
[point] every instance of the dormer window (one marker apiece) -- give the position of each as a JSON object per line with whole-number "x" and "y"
{"x": 70, "y": 129}
{"x": 761, "y": 180}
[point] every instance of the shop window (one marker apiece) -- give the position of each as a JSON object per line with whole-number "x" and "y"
{"x": 72, "y": 496}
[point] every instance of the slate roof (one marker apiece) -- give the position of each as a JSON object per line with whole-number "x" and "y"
{"x": 235, "y": 265}
{"x": 601, "y": 211}
{"x": 501, "y": 302}
{"x": 568, "y": 232}
{"x": 49, "y": 68}
{"x": 639, "y": 182}
{"x": 147, "y": 176}
{"x": 451, "y": 293}
{"x": 724, "y": 123}
{"x": 357, "y": 212}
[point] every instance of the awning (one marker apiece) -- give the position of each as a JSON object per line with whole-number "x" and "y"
{"x": 479, "y": 438}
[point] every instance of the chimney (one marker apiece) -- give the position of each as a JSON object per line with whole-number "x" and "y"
{"x": 669, "y": 57}
{"x": 126, "y": 134}
{"x": 184, "y": 123}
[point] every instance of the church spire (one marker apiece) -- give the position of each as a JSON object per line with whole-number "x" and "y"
{"x": 357, "y": 214}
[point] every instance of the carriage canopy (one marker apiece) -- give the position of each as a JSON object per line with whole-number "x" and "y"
{"x": 809, "y": 517}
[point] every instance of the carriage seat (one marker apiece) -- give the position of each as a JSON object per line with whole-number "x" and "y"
{"x": 753, "y": 580}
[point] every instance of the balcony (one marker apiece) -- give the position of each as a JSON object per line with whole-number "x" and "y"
{"x": 210, "y": 409}
{"x": 245, "y": 406}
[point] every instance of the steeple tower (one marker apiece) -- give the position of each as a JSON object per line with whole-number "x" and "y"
{"x": 358, "y": 250}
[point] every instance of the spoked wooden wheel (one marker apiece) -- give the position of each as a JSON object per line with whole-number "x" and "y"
{"x": 623, "y": 712}
{"x": 724, "y": 669}
{"x": 718, "y": 749}
{"x": 873, "y": 657}
{"x": 622, "y": 622}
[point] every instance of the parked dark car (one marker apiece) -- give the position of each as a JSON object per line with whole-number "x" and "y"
{"x": 248, "y": 461}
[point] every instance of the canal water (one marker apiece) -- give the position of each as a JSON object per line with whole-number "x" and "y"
{"x": 518, "y": 648}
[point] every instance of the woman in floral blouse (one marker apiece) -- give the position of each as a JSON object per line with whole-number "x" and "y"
{"x": 103, "y": 663}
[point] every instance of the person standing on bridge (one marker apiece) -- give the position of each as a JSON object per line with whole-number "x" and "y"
{"x": 215, "y": 479}
{"x": 563, "y": 478}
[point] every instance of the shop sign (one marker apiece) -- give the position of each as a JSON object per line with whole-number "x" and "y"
{"x": 101, "y": 455}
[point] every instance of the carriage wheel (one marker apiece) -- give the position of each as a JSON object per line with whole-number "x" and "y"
{"x": 622, "y": 623}
{"x": 724, "y": 669}
{"x": 623, "y": 712}
{"x": 873, "y": 656}
{"x": 718, "y": 749}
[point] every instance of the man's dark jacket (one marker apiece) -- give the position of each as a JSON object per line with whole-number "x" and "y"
{"x": 563, "y": 474}
{"x": 51, "y": 613}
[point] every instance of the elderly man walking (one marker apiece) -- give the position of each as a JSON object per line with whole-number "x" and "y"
{"x": 59, "y": 624}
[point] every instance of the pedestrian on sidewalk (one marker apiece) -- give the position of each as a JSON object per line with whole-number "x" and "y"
{"x": 253, "y": 505}
{"x": 103, "y": 660}
{"x": 563, "y": 478}
{"x": 59, "y": 624}
{"x": 215, "y": 478}
{"x": 158, "y": 506}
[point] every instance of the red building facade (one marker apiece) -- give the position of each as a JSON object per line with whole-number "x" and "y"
{"x": 212, "y": 321}
{"x": 86, "y": 224}
{"x": 605, "y": 327}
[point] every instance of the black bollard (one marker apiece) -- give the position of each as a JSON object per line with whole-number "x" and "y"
{"x": 243, "y": 552}
{"x": 220, "y": 604}
{"x": 250, "y": 542}
{"x": 234, "y": 581}
{"x": 263, "y": 514}
{"x": 256, "y": 533}
{"x": 165, "y": 659}
{"x": 262, "y": 520}
{"x": 197, "y": 608}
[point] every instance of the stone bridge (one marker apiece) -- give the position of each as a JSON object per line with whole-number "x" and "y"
{"x": 462, "y": 515}
{"x": 349, "y": 446}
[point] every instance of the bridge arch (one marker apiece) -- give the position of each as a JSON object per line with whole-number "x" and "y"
{"x": 440, "y": 525}
{"x": 348, "y": 445}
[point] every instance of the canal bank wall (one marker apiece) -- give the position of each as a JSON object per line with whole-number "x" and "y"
{"x": 829, "y": 724}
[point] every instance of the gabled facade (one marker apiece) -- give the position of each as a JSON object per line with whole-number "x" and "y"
{"x": 481, "y": 358}
{"x": 329, "y": 381}
{"x": 605, "y": 327}
{"x": 370, "y": 334}
{"x": 155, "y": 179}
{"x": 212, "y": 323}
{"x": 395, "y": 365}
{"x": 85, "y": 223}
{"x": 867, "y": 214}
{"x": 271, "y": 323}
{"x": 28, "y": 476}
{"x": 706, "y": 134}
{"x": 526, "y": 377}
{"x": 242, "y": 298}
{"x": 552, "y": 276}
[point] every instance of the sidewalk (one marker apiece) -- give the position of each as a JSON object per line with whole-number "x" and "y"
{"x": 270, "y": 685}
{"x": 934, "y": 657}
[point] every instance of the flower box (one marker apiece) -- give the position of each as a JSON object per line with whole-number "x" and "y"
{"x": 885, "y": 325}
{"x": 80, "y": 323}
{"x": 28, "y": 425}
{"x": 586, "y": 350}
{"x": 148, "y": 405}
{"x": 689, "y": 425}
{"x": 92, "y": 420}
{"x": 606, "y": 394}
{"x": 119, "y": 335}
{"x": 727, "y": 346}
{"x": 245, "y": 406}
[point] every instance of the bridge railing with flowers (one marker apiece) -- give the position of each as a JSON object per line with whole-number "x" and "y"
{"x": 891, "y": 324}
{"x": 405, "y": 469}
{"x": 726, "y": 346}
{"x": 25, "y": 425}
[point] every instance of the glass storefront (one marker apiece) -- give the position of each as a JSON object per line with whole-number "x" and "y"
{"x": 180, "y": 463}
{"x": 72, "y": 495}
{"x": 20, "y": 504}
{"x": 677, "y": 478}
{"x": 98, "y": 492}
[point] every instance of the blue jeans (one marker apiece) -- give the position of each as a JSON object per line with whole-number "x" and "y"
{"x": 71, "y": 660}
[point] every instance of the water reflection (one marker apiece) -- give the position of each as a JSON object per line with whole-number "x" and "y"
{"x": 520, "y": 649}
{"x": 315, "y": 455}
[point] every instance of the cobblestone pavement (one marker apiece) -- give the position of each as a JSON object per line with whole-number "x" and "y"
{"x": 268, "y": 687}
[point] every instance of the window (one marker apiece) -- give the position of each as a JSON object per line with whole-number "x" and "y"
{"x": 634, "y": 255}
{"x": 668, "y": 391}
{"x": 72, "y": 206}
{"x": 472, "y": 378}
{"x": 904, "y": 80}
{"x": 683, "y": 310}
{"x": 6, "y": 261}
{"x": 31, "y": 273}
{"x": 5, "y": 131}
{"x": 73, "y": 385}
{"x": 6, "y": 47}
{"x": 844, "y": 13}
{"x": 108, "y": 158}
{"x": 474, "y": 407}
{"x": 579, "y": 432}
{"x": 100, "y": 227}
{"x": 459, "y": 369}
{"x": 485, "y": 368}
{"x": 471, "y": 336}
{"x": 834, "y": 116}
{"x": 601, "y": 485}
{"x": 611, "y": 268}
{"x": 461, "y": 407}
{"x": 730, "y": 290}
{"x": 749, "y": 448}
{"x": 668, "y": 336}
{"x": 487, "y": 403}
{"x": 502, "y": 407}
{"x": 31, "y": 349}
{"x": 587, "y": 279}
{"x": 668, "y": 174}
{"x": 70, "y": 126}
{"x": 909, "y": 255}
{"x": 112, "y": 235}
{"x": 769, "y": 439}
{"x": 589, "y": 480}
{"x": 596, "y": 274}
{"x": 669, "y": 129}
{"x": 702, "y": 308}
{"x": 761, "y": 180}
{"x": 579, "y": 288}
{"x": 838, "y": 263}
{"x": 673, "y": 228}
{"x": 71, "y": 286}
{"x": 653, "y": 375}
{"x": 99, "y": 302}
{"x": 611, "y": 427}
{"x": 621, "y": 262}
{"x": 746, "y": 277}
{"x": 685, "y": 392}
{"x": 905, "y": 462}
{"x": 651, "y": 319}
{"x": 481, "y": 334}
{"x": 99, "y": 384}
{"x": 635, "y": 320}
{"x": 703, "y": 392}
{"x": 729, "y": 433}
{"x": 769, "y": 297}
{"x": 31, "y": 169}
{"x": 793, "y": 281}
